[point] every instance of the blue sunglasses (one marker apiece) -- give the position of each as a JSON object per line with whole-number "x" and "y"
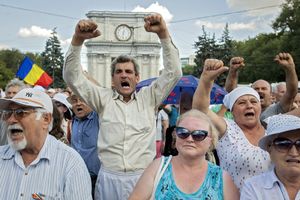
{"x": 197, "y": 135}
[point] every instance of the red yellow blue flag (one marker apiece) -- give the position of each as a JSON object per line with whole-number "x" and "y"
{"x": 33, "y": 74}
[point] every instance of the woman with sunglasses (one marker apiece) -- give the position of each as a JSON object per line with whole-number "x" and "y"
{"x": 188, "y": 175}
{"x": 282, "y": 142}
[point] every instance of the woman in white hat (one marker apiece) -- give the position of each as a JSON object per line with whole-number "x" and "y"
{"x": 65, "y": 109}
{"x": 237, "y": 148}
{"x": 282, "y": 142}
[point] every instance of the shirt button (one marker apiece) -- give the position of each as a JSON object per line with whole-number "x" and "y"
{"x": 22, "y": 194}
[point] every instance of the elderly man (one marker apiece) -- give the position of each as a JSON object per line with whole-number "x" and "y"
{"x": 263, "y": 88}
{"x": 85, "y": 128}
{"x": 11, "y": 89}
{"x": 126, "y": 142}
{"x": 34, "y": 165}
{"x": 282, "y": 142}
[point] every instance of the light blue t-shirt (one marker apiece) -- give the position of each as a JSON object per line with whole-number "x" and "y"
{"x": 211, "y": 188}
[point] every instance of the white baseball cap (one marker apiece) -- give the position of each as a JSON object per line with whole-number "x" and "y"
{"x": 278, "y": 124}
{"x": 29, "y": 97}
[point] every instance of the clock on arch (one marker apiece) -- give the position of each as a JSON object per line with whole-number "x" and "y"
{"x": 123, "y": 32}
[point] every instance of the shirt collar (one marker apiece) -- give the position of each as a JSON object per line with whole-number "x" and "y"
{"x": 89, "y": 116}
{"x": 116, "y": 95}
{"x": 271, "y": 180}
{"x": 45, "y": 152}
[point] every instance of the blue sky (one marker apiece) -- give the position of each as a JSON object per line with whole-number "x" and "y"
{"x": 29, "y": 30}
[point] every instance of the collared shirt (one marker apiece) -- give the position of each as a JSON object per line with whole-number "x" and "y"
{"x": 84, "y": 140}
{"x": 265, "y": 187}
{"x": 57, "y": 173}
{"x": 127, "y": 139}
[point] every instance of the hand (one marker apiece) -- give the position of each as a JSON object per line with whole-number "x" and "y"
{"x": 85, "y": 29}
{"x": 285, "y": 60}
{"x": 212, "y": 69}
{"x": 236, "y": 63}
{"x": 156, "y": 24}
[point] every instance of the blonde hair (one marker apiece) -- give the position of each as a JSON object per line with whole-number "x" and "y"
{"x": 200, "y": 115}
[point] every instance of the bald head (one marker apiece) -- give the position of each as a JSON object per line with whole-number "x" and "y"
{"x": 264, "y": 90}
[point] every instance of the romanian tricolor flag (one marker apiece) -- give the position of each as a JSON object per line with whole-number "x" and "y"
{"x": 33, "y": 74}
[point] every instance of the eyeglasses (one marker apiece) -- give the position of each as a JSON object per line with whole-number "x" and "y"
{"x": 197, "y": 135}
{"x": 18, "y": 113}
{"x": 284, "y": 145}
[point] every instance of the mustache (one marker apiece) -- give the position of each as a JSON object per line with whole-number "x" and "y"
{"x": 13, "y": 127}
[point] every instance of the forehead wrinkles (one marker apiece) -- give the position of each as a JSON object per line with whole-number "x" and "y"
{"x": 245, "y": 98}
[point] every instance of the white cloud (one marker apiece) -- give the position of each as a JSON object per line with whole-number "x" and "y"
{"x": 3, "y": 46}
{"x": 34, "y": 31}
{"x": 253, "y": 4}
{"x": 155, "y": 7}
{"x": 231, "y": 26}
{"x": 66, "y": 42}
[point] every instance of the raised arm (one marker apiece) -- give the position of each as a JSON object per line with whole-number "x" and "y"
{"x": 201, "y": 100}
{"x": 171, "y": 73}
{"x": 288, "y": 65}
{"x": 85, "y": 29}
{"x": 156, "y": 24}
{"x": 236, "y": 63}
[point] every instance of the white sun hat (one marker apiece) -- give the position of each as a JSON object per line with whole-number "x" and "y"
{"x": 278, "y": 124}
{"x": 31, "y": 98}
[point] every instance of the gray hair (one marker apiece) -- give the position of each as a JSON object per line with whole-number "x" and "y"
{"x": 15, "y": 82}
{"x": 39, "y": 113}
{"x": 200, "y": 115}
{"x": 124, "y": 59}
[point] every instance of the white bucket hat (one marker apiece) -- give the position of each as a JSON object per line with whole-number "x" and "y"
{"x": 231, "y": 97}
{"x": 62, "y": 98}
{"x": 277, "y": 125}
{"x": 31, "y": 98}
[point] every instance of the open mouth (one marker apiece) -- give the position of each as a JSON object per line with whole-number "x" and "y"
{"x": 125, "y": 84}
{"x": 249, "y": 114}
{"x": 293, "y": 161}
{"x": 15, "y": 131}
{"x": 261, "y": 97}
{"x": 79, "y": 109}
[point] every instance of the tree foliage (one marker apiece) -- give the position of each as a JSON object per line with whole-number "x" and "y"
{"x": 52, "y": 59}
{"x": 208, "y": 47}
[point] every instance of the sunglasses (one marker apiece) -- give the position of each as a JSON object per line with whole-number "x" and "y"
{"x": 197, "y": 135}
{"x": 18, "y": 113}
{"x": 284, "y": 145}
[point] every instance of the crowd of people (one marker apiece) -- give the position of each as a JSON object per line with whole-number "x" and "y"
{"x": 92, "y": 142}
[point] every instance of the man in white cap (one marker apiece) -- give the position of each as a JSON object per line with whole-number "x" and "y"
{"x": 34, "y": 165}
{"x": 282, "y": 182}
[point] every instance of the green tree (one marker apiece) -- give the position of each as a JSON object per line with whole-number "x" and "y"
{"x": 188, "y": 69}
{"x": 226, "y": 46}
{"x": 53, "y": 60}
{"x": 6, "y": 74}
{"x": 287, "y": 25}
{"x": 206, "y": 47}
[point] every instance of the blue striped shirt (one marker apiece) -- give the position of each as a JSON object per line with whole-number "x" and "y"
{"x": 57, "y": 173}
